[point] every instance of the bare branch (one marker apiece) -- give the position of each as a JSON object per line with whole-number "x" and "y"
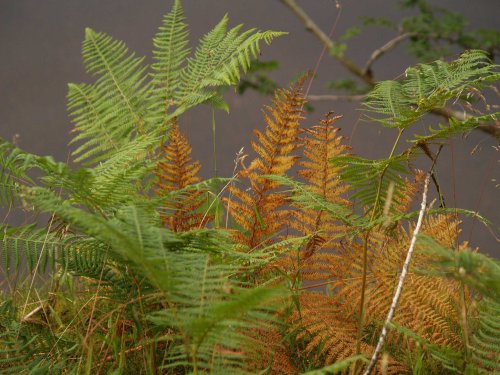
{"x": 402, "y": 278}
{"x": 365, "y": 74}
{"x": 348, "y": 98}
{"x": 384, "y": 49}
{"x": 311, "y": 26}
{"x": 492, "y": 129}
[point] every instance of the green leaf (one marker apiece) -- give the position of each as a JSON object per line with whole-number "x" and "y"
{"x": 339, "y": 366}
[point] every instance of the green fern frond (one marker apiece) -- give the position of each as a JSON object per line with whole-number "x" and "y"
{"x": 195, "y": 270}
{"x": 29, "y": 246}
{"x": 15, "y": 165}
{"x": 371, "y": 179}
{"x": 428, "y": 86}
{"x": 473, "y": 269}
{"x": 40, "y": 250}
{"x": 211, "y": 313}
{"x": 485, "y": 343}
{"x": 115, "y": 178}
{"x": 302, "y": 195}
{"x": 217, "y": 62}
{"x": 114, "y": 106}
{"x": 170, "y": 51}
{"x": 454, "y": 127}
{"x": 389, "y": 100}
{"x": 449, "y": 359}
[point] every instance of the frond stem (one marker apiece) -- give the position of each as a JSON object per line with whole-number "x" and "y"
{"x": 465, "y": 329}
{"x": 402, "y": 278}
{"x": 365, "y": 248}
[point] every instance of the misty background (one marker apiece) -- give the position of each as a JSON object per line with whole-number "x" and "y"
{"x": 40, "y": 43}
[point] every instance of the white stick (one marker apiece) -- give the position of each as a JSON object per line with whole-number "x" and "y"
{"x": 402, "y": 278}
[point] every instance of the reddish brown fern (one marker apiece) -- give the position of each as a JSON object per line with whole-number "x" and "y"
{"x": 429, "y": 305}
{"x": 260, "y": 212}
{"x": 176, "y": 172}
{"x": 321, "y": 144}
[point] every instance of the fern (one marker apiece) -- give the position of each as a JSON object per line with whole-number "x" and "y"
{"x": 16, "y": 167}
{"x": 399, "y": 104}
{"x": 176, "y": 172}
{"x": 371, "y": 179}
{"x": 114, "y": 106}
{"x": 454, "y": 127}
{"x": 134, "y": 283}
{"x": 428, "y": 86}
{"x": 321, "y": 144}
{"x": 260, "y": 213}
{"x": 217, "y": 63}
{"x": 474, "y": 269}
{"x": 125, "y": 102}
{"x": 212, "y": 316}
{"x": 170, "y": 51}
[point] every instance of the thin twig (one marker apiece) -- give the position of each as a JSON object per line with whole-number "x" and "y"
{"x": 347, "y": 98}
{"x": 493, "y": 129}
{"x": 402, "y": 278}
{"x": 384, "y": 49}
{"x": 311, "y": 26}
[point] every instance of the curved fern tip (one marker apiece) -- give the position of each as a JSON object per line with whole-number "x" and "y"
{"x": 88, "y": 32}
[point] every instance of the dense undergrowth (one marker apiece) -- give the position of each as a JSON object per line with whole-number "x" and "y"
{"x": 143, "y": 267}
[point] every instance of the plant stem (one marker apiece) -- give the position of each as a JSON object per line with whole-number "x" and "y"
{"x": 365, "y": 248}
{"x": 465, "y": 329}
{"x": 402, "y": 278}
{"x": 214, "y": 143}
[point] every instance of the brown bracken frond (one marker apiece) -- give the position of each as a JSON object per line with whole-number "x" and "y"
{"x": 328, "y": 335}
{"x": 321, "y": 144}
{"x": 331, "y": 293}
{"x": 272, "y": 353}
{"x": 428, "y": 305}
{"x": 176, "y": 172}
{"x": 260, "y": 210}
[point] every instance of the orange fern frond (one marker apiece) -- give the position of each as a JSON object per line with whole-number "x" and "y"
{"x": 272, "y": 353}
{"x": 321, "y": 144}
{"x": 260, "y": 211}
{"x": 428, "y": 304}
{"x": 328, "y": 334}
{"x": 176, "y": 172}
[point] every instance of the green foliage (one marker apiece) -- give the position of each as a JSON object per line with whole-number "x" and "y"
{"x": 400, "y": 104}
{"x": 439, "y": 30}
{"x": 127, "y": 102}
{"x": 112, "y": 290}
{"x": 372, "y": 178}
{"x": 429, "y": 86}
{"x": 485, "y": 343}
{"x": 475, "y": 270}
{"x": 256, "y": 79}
{"x": 105, "y": 231}
{"x": 337, "y": 367}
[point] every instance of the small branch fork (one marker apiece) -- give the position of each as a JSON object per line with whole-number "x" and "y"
{"x": 347, "y": 98}
{"x": 384, "y": 49}
{"x": 311, "y": 26}
{"x": 402, "y": 278}
{"x": 365, "y": 74}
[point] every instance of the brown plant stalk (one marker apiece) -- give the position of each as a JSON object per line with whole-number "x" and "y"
{"x": 402, "y": 278}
